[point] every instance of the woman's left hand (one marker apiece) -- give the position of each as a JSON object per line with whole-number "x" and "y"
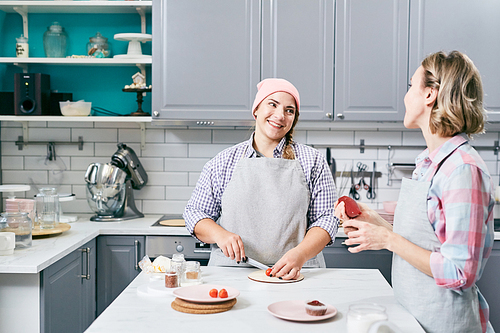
{"x": 289, "y": 266}
{"x": 369, "y": 236}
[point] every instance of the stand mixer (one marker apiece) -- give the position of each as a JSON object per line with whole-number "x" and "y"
{"x": 110, "y": 186}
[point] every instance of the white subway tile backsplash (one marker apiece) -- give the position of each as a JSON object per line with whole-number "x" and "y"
{"x": 12, "y": 162}
{"x": 174, "y": 158}
{"x": 208, "y": 151}
{"x": 95, "y": 134}
{"x": 188, "y": 136}
{"x": 168, "y": 178}
{"x": 185, "y": 164}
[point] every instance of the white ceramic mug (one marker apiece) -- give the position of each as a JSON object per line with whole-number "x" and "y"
{"x": 7, "y": 243}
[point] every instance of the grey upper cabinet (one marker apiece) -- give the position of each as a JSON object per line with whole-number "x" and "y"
{"x": 371, "y": 59}
{"x": 468, "y": 26}
{"x": 209, "y": 56}
{"x": 206, "y": 58}
{"x": 297, "y": 44}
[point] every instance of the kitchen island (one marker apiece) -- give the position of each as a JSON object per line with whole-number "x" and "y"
{"x": 136, "y": 311}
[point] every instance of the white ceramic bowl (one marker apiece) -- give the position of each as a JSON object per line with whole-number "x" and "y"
{"x": 75, "y": 109}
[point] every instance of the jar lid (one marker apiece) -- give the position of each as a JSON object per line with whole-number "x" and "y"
{"x": 98, "y": 38}
{"x": 56, "y": 27}
{"x": 22, "y": 39}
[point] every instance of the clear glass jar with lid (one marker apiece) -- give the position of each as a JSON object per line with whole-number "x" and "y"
{"x": 20, "y": 224}
{"x": 54, "y": 41}
{"x": 98, "y": 46}
{"x": 192, "y": 274}
{"x": 47, "y": 208}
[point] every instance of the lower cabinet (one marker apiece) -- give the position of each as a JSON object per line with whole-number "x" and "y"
{"x": 337, "y": 256}
{"x": 67, "y": 293}
{"x": 489, "y": 285}
{"x": 117, "y": 266}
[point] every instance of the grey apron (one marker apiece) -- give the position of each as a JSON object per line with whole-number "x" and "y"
{"x": 266, "y": 204}
{"x": 436, "y": 309}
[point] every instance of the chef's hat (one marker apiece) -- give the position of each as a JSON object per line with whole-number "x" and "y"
{"x": 268, "y": 87}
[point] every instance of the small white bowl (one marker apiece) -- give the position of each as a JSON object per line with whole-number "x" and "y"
{"x": 390, "y": 206}
{"x": 75, "y": 109}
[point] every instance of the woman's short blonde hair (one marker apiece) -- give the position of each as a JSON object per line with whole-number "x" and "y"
{"x": 459, "y": 103}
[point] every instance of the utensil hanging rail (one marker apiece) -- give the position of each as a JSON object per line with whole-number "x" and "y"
{"x": 495, "y": 148}
{"x": 20, "y": 143}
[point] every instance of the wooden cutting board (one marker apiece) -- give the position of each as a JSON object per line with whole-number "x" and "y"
{"x": 260, "y": 276}
{"x": 59, "y": 229}
{"x": 173, "y": 223}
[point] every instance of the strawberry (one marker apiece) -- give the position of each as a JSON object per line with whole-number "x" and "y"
{"x": 213, "y": 293}
{"x": 268, "y": 271}
{"x": 223, "y": 293}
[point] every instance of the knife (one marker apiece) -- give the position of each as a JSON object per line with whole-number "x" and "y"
{"x": 255, "y": 263}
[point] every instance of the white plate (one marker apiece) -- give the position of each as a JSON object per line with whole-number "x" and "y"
{"x": 199, "y": 293}
{"x": 296, "y": 311}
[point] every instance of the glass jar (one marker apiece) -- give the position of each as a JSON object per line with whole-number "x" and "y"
{"x": 47, "y": 208}
{"x": 362, "y": 316}
{"x": 22, "y": 47}
{"x": 20, "y": 224}
{"x": 54, "y": 41}
{"x": 192, "y": 274}
{"x": 98, "y": 46}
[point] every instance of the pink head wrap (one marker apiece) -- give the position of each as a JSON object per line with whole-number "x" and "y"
{"x": 268, "y": 87}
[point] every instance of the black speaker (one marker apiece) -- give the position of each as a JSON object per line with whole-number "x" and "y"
{"x": 7, "y": 103}
{"x": 55, "y": 98}
{"x": 31, "y": 94}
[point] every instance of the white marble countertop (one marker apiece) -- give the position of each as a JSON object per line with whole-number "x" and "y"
{"x": 135, "y": 311}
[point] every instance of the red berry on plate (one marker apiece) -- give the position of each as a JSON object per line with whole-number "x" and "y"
{"x": 213, "y": 293}
{"x": 268, "y": 271}
{"x": 223, "y": 293}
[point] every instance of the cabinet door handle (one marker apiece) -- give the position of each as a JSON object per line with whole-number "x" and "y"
{"x": 136, "y": 254}
{"x": 86, "y": 276}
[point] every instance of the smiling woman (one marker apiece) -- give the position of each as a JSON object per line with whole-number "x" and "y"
{"x": 241, "y": 202}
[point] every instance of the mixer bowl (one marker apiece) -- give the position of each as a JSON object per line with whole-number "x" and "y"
{"x": 104, "y": 199}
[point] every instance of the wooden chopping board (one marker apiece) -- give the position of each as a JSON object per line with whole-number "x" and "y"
{"x": 202, "y": 308}
{"x": 260, "y": 276}
{"x": 173, "y": 223}
{"x": 59, "y": 229}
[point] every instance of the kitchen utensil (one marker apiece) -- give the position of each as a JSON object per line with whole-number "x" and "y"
{"x": 260, "y": 276}
{"x": 195, "y": 308}
{"x": 295, "y": 311}
{"x": 352, "y": 192}
{"x": 371, "y": 189}
{"x": 331, "y": 163}
{"x": 42, "y": 233}
{"x": 255, "y": 263}
{"x": 109, "y": 186}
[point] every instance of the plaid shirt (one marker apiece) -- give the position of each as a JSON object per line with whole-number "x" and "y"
{"x": 206, "y": 199}
{"x": 460, "y": 209}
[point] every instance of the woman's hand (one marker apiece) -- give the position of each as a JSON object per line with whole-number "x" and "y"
{"x": 289, "y": 266}
{"x": 369, "y": 236}
{"x": 230, "y": 244}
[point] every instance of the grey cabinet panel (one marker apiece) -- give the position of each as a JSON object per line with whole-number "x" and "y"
{"x": 468, "y": 26}
{"x": 206, "y": 58}
{"x": 116, "y": 266}
{"x": 489, "y": 285}
{"x": 371, "y": 58}
{"x": 67, "y": 299}
{"x": 297, "y": 45}
{"x": 337, "y": 256}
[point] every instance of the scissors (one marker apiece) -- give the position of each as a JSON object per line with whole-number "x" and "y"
{"x": 371, "y": 190}
{"x": 361, "y": 185}
{"x": 352, "y": 192}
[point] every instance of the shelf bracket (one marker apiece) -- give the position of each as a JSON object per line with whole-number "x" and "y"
{"x": 25, "y": 135}
{"x": 140, "y": 10}
{"x": 23, "y": 66}
{"x": 23, "y": 11}
{"x": 143, "y": 135}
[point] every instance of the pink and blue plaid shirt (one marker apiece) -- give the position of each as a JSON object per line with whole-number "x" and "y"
{"x": 460, "y": 209}
{"x": 206, "y": 199}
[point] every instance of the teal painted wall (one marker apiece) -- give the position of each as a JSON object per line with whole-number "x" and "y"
{"x": 101, "y": 85}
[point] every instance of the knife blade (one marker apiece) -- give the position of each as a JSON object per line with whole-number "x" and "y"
{"x": 255, "y": 263}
